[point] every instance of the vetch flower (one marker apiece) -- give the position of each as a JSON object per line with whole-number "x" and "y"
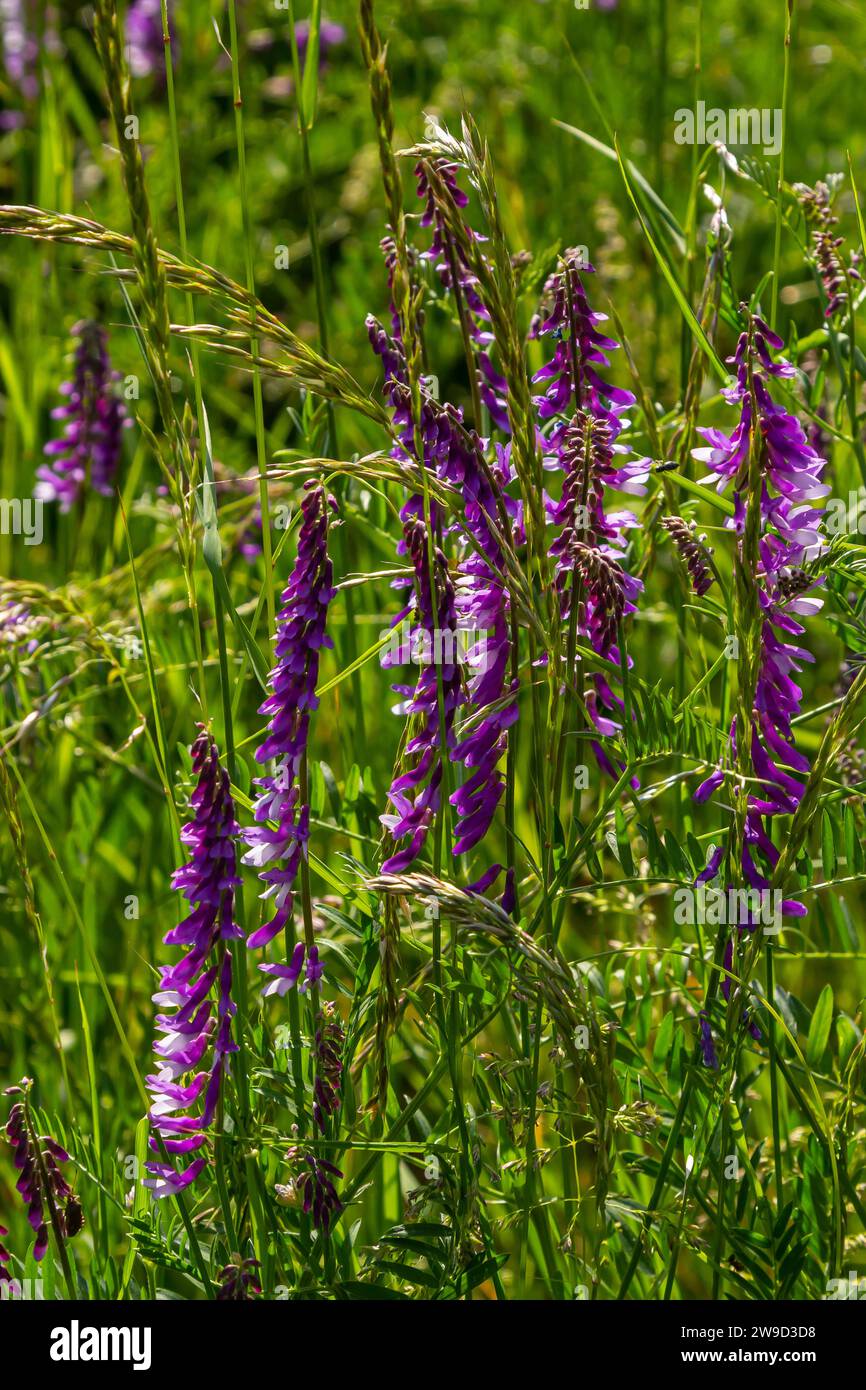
{"x": 41, "y": 1185}
{"x": 693, "y": 550}
{"x": 18, "y": 626}
{"x": 208, "y": 881}
{"x": 144, "y": 38}
{"x": 315, "y": 1187}
{"x": 330, "y": 36}
{"x": 239, "y": 1280}
{"x": 301, "y": 635}
{"x": 448, "y": 259}
{"x": 790, "y": 482}
{"x": 13, "y": 1287}
{"x": 327, "y": 1065}
{"x": 708, "y": 1050}
{"x": 580, "y": 421}
{"x": 481, "y": 605}
{"x": 88, "y": 451}
{"x": 571, "y": 378}
{"x": 282, "y": 978}
{"x": 432, "y": 639}
{"x": 816, "y": 205}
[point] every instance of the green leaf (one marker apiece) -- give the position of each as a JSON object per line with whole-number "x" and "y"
{"x": 828, "y": 846}
{"x": 664, "y": 1039}
{"x": 853, "y": 848}
{"x": 310, "y": 80}
{"x": 622, "y": 844}
{"x": 657, "y": 858}
{"x": 847, "y": 1038}
{"x": 819, "y": 1029}
{"x": 675, "y": 854}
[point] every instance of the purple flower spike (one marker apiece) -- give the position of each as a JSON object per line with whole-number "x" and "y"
{"x": 301, "y": 635}
{"x": 432, "y": 640}
{"x": 708, "y": 1050}
{"x": 314, "y": 1188}
{"x": 41, "y": 1185}
{"x": 789, "y": 537}
{"x": 208, "y": 881}
{"x": 447, "y": 257}
{"x": 476, "y": 603}
{"x": 13, "y": 1288}
{"x": 580, "y": 424}
{"x": 88, "y": 451}
{"x": 327, "y": 1055}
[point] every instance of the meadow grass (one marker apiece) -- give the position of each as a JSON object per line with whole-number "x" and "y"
{"x": 506, "y": 1040}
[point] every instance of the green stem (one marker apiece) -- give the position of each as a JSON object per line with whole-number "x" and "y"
{"x": 777, "y": 253}
{"x": 261, "y": 451}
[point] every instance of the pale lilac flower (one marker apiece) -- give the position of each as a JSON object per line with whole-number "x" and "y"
{"x": 282, "y": 978}
{"x": 19, "y": 51}
{"x": 330, "y": 36}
